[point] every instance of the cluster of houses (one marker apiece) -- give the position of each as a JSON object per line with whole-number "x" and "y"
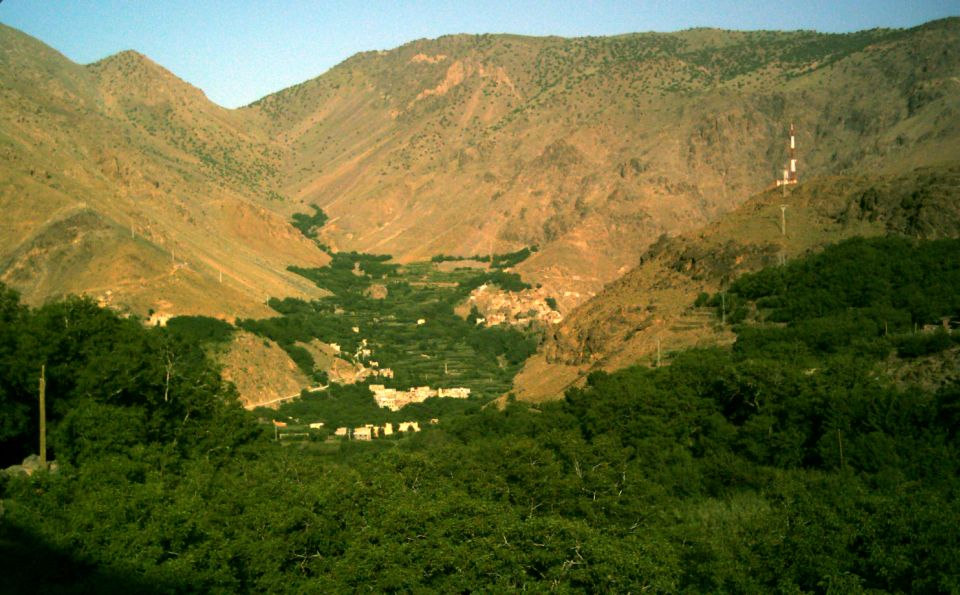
{"x": 504, "y": 307}
{"x": 370, "y": 431}
{"x": 364, "y": 432}
{"x": 394, "y": 399}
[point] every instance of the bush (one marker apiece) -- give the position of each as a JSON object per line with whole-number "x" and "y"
{"x": 920, "y": 344}
{"x": 309, "y": 224}
{"x": 201, "y": 329}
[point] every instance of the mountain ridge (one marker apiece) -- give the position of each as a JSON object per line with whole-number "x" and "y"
{"x": 70, "y": 145}
{"x": 444, "y": 128}
{"x": 126, "y": 183}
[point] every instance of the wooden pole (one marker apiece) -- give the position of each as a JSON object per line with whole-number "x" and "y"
{"x": 840, "y": 444}
{"x": 43, "y": 415}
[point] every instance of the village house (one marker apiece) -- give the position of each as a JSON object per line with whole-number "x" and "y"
{"x": 394, "y": 399}
{"x": 409, "y": 426}
{"x": 158, "y": 319}
{"x": 368, "y": 432}
{"x": 498, "y": 307}
{"x": 453, "y": 393}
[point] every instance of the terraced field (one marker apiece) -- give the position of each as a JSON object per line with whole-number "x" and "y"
{"x": 402, "y": 318}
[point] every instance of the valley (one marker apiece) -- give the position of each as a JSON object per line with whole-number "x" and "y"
{"x": 487, "y": 313}
{"x": 124, "y": 183}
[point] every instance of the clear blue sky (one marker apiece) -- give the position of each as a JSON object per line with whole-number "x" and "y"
{"x": 240, "y": 50}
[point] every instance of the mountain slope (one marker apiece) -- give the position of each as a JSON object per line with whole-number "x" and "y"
{"x": 654, "y": 304}
{"x": 591, "y": 148}
{"x": 121, "y": 181}
{"x": 116, "y": 182}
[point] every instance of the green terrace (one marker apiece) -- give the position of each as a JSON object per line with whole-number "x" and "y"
{"x": 402, "y": 318}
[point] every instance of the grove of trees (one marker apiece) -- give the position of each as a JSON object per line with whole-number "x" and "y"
{"x": 793, "y": 462}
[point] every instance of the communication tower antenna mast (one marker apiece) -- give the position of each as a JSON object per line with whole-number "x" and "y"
{"x": 790, "y": 169}
{"x": 793, "y": 154}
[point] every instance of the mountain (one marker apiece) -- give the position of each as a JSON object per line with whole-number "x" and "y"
{"x": 123, "y": 182}
{"x": 654, "y": 306}
{"x": 592, "y": 148}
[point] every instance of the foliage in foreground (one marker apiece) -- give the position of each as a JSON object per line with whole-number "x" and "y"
{"x": 786, "y": 464}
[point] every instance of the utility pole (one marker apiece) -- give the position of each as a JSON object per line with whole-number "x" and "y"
{"x": 43, "y": 415}
{"x": 840, "y": 444}
{"x": 783, "y": 219}
{"x": 658, "y": 352}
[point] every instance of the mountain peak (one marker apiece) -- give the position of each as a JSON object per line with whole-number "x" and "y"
{"x": 130, "y": 74}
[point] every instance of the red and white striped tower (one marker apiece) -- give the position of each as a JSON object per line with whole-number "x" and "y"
{"x": 793, "y": 156}
{"x": 790, "y": 169}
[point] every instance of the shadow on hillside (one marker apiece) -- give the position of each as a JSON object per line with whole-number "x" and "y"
{"x": 29, "y": 565}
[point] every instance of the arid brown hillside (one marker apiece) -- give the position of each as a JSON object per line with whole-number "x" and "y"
{"x": 654, "y": 302}
{"x": 118, "y": 177}
{"x": 592, "y": 148}
{"x": 122, "y": 182}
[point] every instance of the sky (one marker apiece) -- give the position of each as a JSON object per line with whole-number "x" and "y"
{"x": 237, "y": 51}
